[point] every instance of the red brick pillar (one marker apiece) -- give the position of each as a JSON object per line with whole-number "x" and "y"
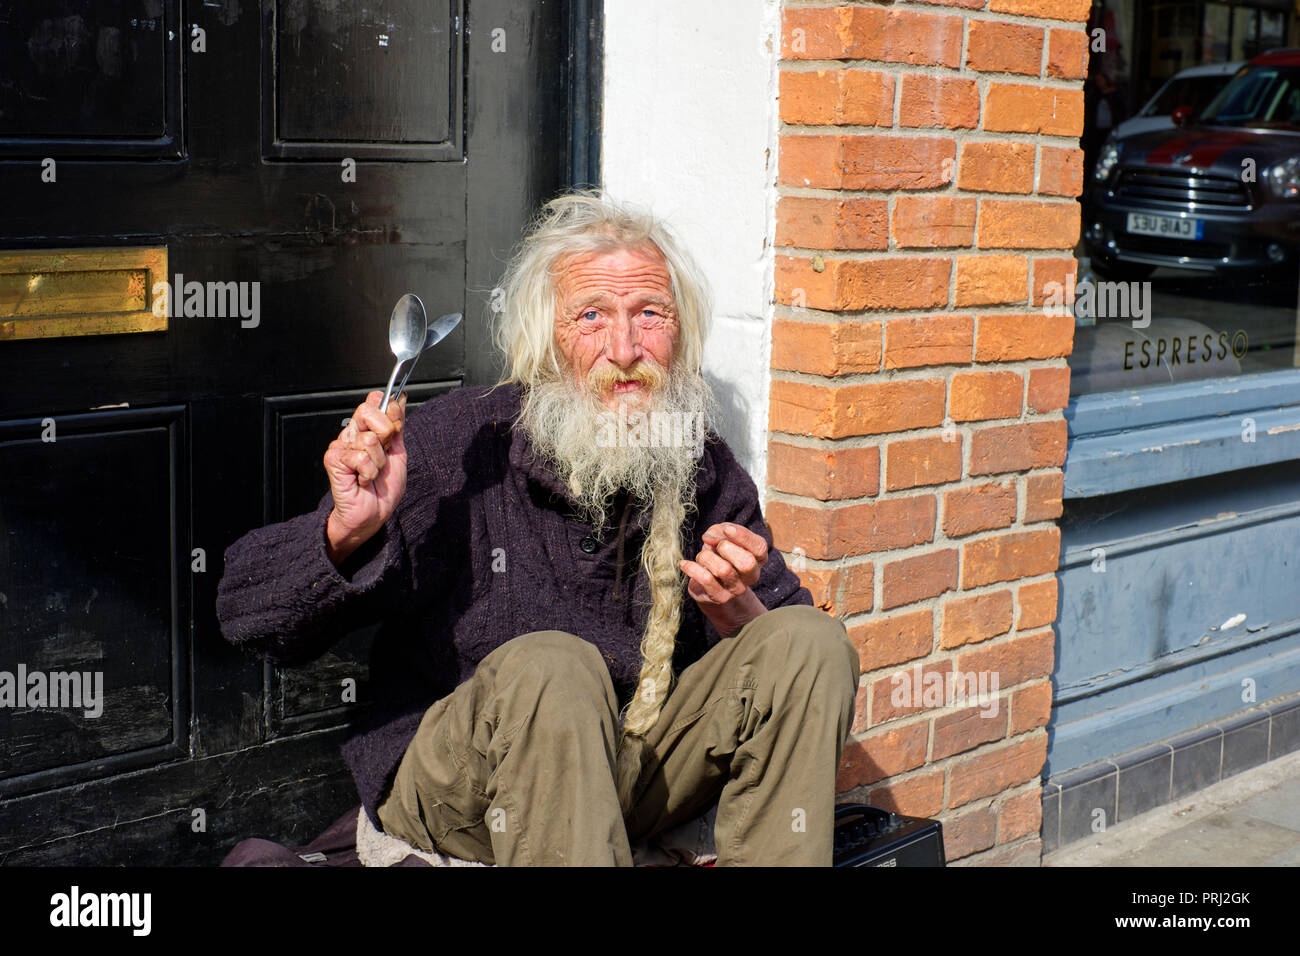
{"x": 929, "y": 162}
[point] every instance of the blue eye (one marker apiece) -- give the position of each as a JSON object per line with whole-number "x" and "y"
{"x": 590, "y": 314}
{"x": 649, "y": 312}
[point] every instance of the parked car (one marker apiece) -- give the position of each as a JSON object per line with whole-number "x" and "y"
{"x": 1219, "y": 193}
{"x": 1195, "y": 87}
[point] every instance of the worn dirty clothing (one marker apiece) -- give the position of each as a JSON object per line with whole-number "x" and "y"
{"x": 757, "y": 725}
{"x": 483, "y": 547}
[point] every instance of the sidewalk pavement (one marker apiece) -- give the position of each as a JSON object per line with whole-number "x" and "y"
{"x": 1251, "y": 819}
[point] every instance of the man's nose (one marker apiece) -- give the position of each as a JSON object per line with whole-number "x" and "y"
{"x": 621, "y": 346}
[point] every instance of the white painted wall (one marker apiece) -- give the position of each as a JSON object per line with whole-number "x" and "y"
{"x": 690, "y": 127}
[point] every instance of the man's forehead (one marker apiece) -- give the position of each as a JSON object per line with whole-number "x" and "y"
{"x": 615, "y": 273}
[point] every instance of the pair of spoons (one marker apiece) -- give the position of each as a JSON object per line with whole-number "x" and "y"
{"x": 409, "y": 333}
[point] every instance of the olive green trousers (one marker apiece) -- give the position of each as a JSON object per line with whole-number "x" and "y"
{"x": 516, "y": 767}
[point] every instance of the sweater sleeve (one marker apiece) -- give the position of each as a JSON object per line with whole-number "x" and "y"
{"x": 282, "y": 597}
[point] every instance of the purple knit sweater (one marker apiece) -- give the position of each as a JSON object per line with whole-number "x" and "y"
{"x": 483, "y": 547}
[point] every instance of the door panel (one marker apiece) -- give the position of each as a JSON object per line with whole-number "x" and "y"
{"x": 172, "y": 444}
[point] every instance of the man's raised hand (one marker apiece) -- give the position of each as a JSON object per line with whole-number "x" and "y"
{"x": 723, "y": 573}
{"x": 366, "y": 466}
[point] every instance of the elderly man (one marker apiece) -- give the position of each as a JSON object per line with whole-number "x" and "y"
{"x": 554, "y": 679}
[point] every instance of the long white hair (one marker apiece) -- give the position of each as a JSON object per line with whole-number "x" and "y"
{"x": 587, "y": 221}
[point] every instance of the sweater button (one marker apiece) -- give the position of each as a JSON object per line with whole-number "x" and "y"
{"x": 589, "y": 545}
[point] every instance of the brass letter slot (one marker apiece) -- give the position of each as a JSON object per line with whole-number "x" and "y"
{"x": 55, "y": 293}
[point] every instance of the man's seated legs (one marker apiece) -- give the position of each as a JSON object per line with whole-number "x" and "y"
{"x": 516, "y": 766}
{"x": 757, "y": 724}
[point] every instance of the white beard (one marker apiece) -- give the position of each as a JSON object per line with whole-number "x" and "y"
{"x": 597, "y": 452}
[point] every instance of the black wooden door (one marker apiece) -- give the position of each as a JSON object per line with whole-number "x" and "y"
{"x": 301, "y": 164}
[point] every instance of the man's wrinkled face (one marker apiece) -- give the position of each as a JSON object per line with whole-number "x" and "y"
{"x": 616, "y": 323}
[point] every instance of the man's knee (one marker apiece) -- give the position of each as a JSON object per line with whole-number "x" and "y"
{"x": 811, "y": 636}
{"x": 554, "y": 660}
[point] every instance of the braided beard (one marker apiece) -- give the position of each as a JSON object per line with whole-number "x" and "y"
{"x": 597, "y": 453}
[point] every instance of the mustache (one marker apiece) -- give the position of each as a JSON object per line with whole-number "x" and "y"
{"x": 649, "y": 374}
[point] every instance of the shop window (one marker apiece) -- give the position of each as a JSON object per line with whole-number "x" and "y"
{"x": 1189, "y": 258}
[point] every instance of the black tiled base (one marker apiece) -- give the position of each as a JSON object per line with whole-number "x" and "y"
{"x": 1081, "y": 802}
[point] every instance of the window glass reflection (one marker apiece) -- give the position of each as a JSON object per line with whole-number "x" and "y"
{"x": 1189, "y": 259}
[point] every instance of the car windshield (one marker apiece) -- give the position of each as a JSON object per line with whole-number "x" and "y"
{"x": 1263, "y": 96}
{"x": 1193, "y": 91}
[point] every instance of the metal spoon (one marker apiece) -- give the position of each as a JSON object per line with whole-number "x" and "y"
{"x": 439, "y": 329}
{"x": 408, "y": 327}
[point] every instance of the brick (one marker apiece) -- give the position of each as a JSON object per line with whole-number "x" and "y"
{"x": 913, "y": 579}
{"x": 820, "y": 582}
{"x": 1024, "y": 108}
{"x": 974, "y": 619}
{"x": 916, "y": 796}
{"x": 979, "y": 508}
{"x": 967, "y": 4}
{"x": 1017, "y": 660}
{"x": 1020, "y": 815}
{"x": 846, "y": 285}
{"x": 1018, "y": 224}
{"x": 1053, "y": 270}
{"x": 932, "y": 340}
{"x": 967, "y": 729}
{"x": 979, "y": 396}
{"x": 837, "y": 98}
{"x": 856, "y": 223}
{"x": 1067, "y": 54}
{"x": 947, "y": 101}
{"x": 873, "y": 161}
{"x": 829, "y": 533}
{"x": 840, "y": 591}
{"x": 828, "y": 33}
{"x": 904, "y": 691}
{"x": 868, "y": 33}
{"x": 997, "y": 167}
{"x": 1018, "y": 447}
{"x": 1017, "y": 336}
{"x": 1043, "y": 497}
{"x": 933, "y": 221}
{"x": 921, "y": 461}
{"x": 826, "y": 348}
{"x": 984, "y": 774}
{"x": 1037, "y": 604}
{"x": 1026, "y": 853}
{"x": 838, "y": 412}
{"x": 823, "y": 473}
{"x": 996, "y": 47}
{"x": 1031, "y": 707}
{"x": 968, "y": 833}
{"x": 1009, "y": 556}
{"x": 889, "y": 641}
{"x": 882, "y": 755}
{"x": 1060, "y": 171}
{"x": 861, "y": 716}
{"x": 991, "y": 280}
{"x": 1076, "y": 10}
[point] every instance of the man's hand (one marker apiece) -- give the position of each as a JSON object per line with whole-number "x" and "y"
{"x": 366, "y": 465}
{"x": 723, "y": 573}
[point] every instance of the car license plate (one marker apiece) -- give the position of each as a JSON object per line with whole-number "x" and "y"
{"x": 1174, "y": 227}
